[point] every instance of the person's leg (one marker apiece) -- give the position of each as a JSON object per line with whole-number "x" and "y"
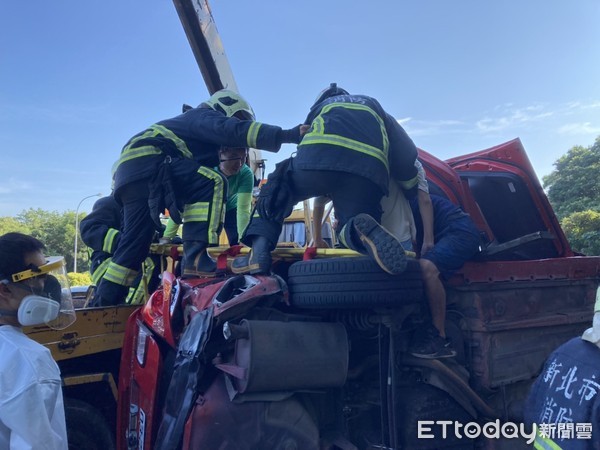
{"x": 357, "y": 202}
{"x": 134, "y": 242}
{"x": 262, "y": 233}
{"x": 449, "y": 254}
{"x": 436, "y": 295}
{"x": 203, "y": 192}
{"x": 230, "y": 225}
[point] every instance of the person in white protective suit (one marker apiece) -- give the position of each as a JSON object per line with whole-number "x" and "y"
{"x": 33, "y": 291}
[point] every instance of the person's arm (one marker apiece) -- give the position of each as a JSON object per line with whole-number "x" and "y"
{"x": 171, "y": 229}
{"x": 426, "y": 211}
{"x": 244, "y": 199}
{"x": 244, "y": 206}
{"x": 36, "y": 417}
{"x": 317, "y": 221}
{"x": 425, "y": 208}
{"x": 402, "y": 155}
{"x": 99, "y": 230}
{"x": 216, "y": 128}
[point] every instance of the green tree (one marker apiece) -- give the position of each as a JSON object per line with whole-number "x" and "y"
{"x": 56, "y": 230}
{"x": 573, "y": 185}
{"x": 79, "y": 279}
{"x": 574, "y": 192}
{"x": 11, "y": 225}
{"x": 583, "y": 231}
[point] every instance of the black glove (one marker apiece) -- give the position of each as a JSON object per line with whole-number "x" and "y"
{"x": 292, "y": 135}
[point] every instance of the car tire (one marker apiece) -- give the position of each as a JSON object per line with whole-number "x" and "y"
{"x": 87, "y": 428}
{"x": 352, "y": 283}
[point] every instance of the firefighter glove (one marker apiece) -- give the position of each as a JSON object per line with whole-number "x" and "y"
{"x": 292, "y": 135}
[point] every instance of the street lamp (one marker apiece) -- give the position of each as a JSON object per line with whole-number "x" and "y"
{"x": 77, "y": 229}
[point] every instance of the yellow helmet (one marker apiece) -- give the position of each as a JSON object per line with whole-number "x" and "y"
{"x": 231, "y": 104}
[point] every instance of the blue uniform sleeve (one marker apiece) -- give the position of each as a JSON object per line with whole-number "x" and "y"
{"x": 215, "y": 128}
{"x": 402, "y": 155}
{"x": 100, "y": 229}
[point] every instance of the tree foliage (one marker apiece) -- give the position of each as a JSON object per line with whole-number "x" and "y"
{"x": 80, "y": 278}
{"x": 573, "y": 185}
{"x": 56, "y": 230}
{"x": 583, "y": 231}
{"x": 574, "y": 192}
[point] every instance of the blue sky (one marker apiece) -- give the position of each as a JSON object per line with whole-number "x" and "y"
{"x": 79, "y": 78}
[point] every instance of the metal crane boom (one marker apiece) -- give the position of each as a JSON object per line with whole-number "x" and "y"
{"x": 201, "y": 31}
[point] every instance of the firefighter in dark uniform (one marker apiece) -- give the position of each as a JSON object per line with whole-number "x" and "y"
{"x": 564, "y": 401}
{"x": 100, "y": 231}
{"x": 169, "y": 165}
{"x": 349, "y": 153}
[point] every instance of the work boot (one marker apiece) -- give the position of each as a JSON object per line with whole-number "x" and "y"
{"x": 380, "y": 244}
{"x": 257, "y": 261}
{"x": 197, "y": 262}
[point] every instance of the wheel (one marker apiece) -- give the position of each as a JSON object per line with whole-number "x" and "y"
{"x": 352, "y": 283}
{"x": 87, "y": 428}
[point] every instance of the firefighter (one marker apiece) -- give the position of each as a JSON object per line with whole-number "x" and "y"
{"x": 349, "y": 153}
{"x": 100, "y": 231}
{"x": 564, "y": 401}
{"x": 240, "y": 181}
{"x": 170, "y": 165}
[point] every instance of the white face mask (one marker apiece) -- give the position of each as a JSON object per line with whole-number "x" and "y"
{"x": 49, "y": 298}
{"x": 36, "y": 310}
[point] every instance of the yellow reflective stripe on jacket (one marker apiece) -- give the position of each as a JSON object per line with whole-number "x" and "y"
{"x": 253, "y": 134}
{"x": 130, "y": 153}
{"x": 544, "y": 443}
{"x": 217, "y": 205}
{"x": 179, "y": 143}
{"x": 109, "y": 240}
{"x": 408, "y": 184}
{"x": 120, "y": 275}
{"x": 195, "y": 212}
{"x": 100, "y": 271}
{"x": 137, "y": 294}
{"x": 317, "y": 134}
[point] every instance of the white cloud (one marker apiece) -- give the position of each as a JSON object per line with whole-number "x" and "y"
{"x": 579, "y": 128}
{"x": 513, "y": 117}
{"x": 430, "y": 127}
{"x": 13, "y": 185}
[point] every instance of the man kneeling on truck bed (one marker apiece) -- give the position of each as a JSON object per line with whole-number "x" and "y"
{"x": 349, "y": 153}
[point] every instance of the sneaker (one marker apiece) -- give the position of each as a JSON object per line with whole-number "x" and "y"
{"x": 429, "y": 344}
{"x": 382, "y": 246}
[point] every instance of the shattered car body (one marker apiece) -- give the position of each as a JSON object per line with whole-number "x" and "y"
{"x": 315, "y": 355}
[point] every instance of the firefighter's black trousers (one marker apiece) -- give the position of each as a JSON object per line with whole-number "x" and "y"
{"x": 202, "y": 192}
{"x": 351, "y": 195}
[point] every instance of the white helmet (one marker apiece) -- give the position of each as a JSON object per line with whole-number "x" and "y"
{"x": 231, "y": 104}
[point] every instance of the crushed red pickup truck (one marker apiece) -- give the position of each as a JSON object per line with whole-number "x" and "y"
{"x": 314, "y": 355}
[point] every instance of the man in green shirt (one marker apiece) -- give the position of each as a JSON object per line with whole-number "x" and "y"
{"x": 240, "y": 180}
